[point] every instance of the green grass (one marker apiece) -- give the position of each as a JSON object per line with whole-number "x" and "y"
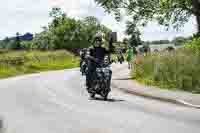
{"x": 175, "y": 70}
{"x": 37, "y": 61}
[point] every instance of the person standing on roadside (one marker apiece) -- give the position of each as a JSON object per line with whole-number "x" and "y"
{"x": 129, "y": 57}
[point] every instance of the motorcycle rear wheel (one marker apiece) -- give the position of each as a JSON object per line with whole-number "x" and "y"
{"x": 105, "y": 97}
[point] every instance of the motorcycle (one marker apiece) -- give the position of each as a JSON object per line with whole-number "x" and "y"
{"x": 101, "y": 81}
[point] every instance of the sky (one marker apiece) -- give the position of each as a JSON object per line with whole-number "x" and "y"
{"x": 30, "y": 15}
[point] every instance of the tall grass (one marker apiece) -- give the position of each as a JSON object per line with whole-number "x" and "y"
{"x": 173, "y": 70}
{"x": 35, "y": 61}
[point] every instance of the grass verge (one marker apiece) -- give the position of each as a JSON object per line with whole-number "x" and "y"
{"x": 170, "y": 70}
{"x": 35, "y": 61}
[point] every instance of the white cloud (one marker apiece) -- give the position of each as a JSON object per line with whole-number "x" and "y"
{"x": 156, "y": 32}
{"x": 22, "y": 16}
{"x": 29, "y": 15}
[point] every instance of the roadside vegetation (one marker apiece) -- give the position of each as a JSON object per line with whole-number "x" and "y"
{"x": 62, "y": 33}
{"x": 56, "y": 47}
{"x": 24, "y": 62}
{"x": 178, "y": 69}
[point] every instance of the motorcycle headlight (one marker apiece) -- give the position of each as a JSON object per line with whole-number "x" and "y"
{"x": 88, "y": 52}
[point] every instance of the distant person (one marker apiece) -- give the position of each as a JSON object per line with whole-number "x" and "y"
{"x": 170, "y": 49}
{"x": 120, "y": 57}
{"x": 146, "y": 50}
{"x": 129, "y": 57}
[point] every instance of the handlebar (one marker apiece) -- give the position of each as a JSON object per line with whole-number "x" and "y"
{"x": 99, "y": 63}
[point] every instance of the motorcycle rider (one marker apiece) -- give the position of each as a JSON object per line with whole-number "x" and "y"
{"x": 120, "y": 57}
{"x": 82, "y": 57}
{"x": 96, "y": 56}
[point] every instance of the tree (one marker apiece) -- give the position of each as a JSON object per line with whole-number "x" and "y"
{"x": 26, "y": 45}
{"x": 166, "y": 12}
{"x": 131, "y": 28}
{"x": 164, "y": 41}
{"x": 125, "y": 41}
{"x": 67, "y": 33}
{"x": 42, "y": 41}
{"x": 160, "y": 42}
{"x": 134, "y": 40}
{"x": 56, "y": 12}
{"x": 5, "y": 43}
{"x": 134, "y": 33}
{"x": 91, "y": 20}
{"x": 179, "y": 40}
{"x": 92, "y": 27}
{"x": 17, "y": 42}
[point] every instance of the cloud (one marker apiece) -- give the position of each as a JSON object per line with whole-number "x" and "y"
{"x": 29, "y": 15}
{"x": 154, "y": 31}
{"x": 23, "y": 16}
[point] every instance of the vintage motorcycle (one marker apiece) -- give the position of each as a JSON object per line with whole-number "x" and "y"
{"x": 101, "y": 80}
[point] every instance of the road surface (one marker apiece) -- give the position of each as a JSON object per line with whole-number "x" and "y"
{"x": 57, "y": 102}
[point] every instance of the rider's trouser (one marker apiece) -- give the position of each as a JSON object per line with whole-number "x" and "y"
{"x": 90, "y": 74}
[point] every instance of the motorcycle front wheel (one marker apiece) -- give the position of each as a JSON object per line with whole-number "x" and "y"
{"x": 92, "y": 95}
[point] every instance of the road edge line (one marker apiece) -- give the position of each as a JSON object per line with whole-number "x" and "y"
{"x": 164, "y": 99}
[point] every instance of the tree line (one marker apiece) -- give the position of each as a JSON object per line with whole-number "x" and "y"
{"x": 62, "y": 32}
{"x": 176, "y": 41}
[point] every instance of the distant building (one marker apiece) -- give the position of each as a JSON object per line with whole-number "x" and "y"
{"x": 25, "y": 37}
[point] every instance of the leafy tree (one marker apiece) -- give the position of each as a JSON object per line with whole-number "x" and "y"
{"x": 1, "y": 45}
{"x": 179, "y": 40}
{"x": 92, "y": 27}
{"x": 166, "y": 12}
{"x": 160, "y": 42}
{"x": 42, "y": 41}
{"x": 70, "y": 33}
{"x": 17, "y": 42}
{"x": 125, "y": 41}
{"x": 91, "y": 20}
{"x": 26, "y": 45}
{"x": 4, "y": 43}
{"x": 135, "y": 40}
{"x": 134, "y": 34}
{"x": 66, "y": 33}
{"x": 56, "y": 12}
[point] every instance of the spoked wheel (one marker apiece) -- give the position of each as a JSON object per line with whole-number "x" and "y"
{"x": 92, "y": 95}
{"x": 105, "y": 97}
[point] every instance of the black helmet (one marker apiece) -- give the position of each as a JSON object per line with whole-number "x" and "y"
{"x": 98, "y": 37}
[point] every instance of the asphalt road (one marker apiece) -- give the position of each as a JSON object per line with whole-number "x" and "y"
{"x": 57, "y": 102}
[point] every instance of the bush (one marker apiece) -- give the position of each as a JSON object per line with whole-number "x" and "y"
{"x": 179, "y": 69}
{"x": 194, "y": 45}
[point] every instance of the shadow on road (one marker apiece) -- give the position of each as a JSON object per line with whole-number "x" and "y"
{"x": 108, "y": 100}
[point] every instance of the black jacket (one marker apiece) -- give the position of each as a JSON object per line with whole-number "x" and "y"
{"x": 99, "y": 53}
